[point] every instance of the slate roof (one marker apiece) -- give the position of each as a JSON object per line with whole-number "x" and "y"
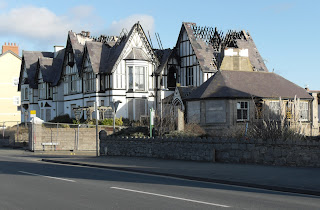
{"x": 103, "y": 58}
{"x": 254, "y": 56}
{"x": 137, "y": 54}
{"x": 45, "y": 66}
{"x": 184, "y": 92}
{"x": 163, "y": 57}
{"x": 30, "y": 59}
{"x": 243, "y": 84}
{"x": 77, "y": 49}
{"x": 57, "y": 65}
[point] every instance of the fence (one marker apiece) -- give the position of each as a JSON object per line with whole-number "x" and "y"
{"x": 13, "y": 133}
{"x": 64, "y": 137}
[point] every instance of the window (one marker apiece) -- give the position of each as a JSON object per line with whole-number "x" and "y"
{"x": 16, "y": 100}
{"x": 50, "y": 92}
{"x": 274, "y": 107}
{"x": 73, "y": 83}
{"x": 242, "y": 111}
{"x": 42, "y": 90}
{"x": 189, "y": 76}
{"x": 89, "y": 82}
{"x": 304, "y": 111}
{"x": 26, "y": 93}
{"x": 130, "y": 77}
{"x": 140, "y": 78}
{"x": 15, "y": 81}
{"x": 102, "y": 82}
{"x": 137, "y": 78}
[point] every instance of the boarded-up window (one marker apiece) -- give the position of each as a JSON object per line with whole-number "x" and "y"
{"x": 193, "y": 112}
{"x": 130, "y": 109}
{"x": 140, "y": 108}
{"x": 215, "y": 112}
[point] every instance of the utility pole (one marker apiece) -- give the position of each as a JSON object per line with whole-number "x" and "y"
{"x": 97, "y": 133}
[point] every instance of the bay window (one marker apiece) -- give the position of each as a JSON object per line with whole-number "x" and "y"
{"x": 137, "y": 78}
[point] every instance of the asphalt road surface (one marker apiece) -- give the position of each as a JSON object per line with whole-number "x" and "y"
{"x": 27, "y": 183}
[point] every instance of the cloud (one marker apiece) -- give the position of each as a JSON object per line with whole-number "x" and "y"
{"x": 146, "y": 21}
{"x": 280, "y": 7}
{"x": 3, "y": 4}
{"x": 39, "y": 25}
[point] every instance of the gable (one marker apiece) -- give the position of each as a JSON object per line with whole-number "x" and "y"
{"x": 135, "y": 38}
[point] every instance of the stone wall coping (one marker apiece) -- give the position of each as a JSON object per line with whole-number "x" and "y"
{"x": 214, "y": 140}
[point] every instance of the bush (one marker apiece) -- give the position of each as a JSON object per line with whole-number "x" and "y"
{"x": 273, "y": 130}
{"x": 109, "y": 121}
{"x": 133, "y": 131}
{"x": 62, "y": 119}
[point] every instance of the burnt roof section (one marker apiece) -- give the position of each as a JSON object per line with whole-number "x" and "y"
{"x": 242, "y": 84}
{"x": 208, "y": 44}
{"x": 30, "y": 60}
{"x": 203, "y": 51}
{"x": 163, "y": 57}
{"x": 137, "y": 54}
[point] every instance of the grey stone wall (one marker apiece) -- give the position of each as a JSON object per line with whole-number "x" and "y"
{"x": 165, "y": 148}
{"x": 305, "y": 153}
{"x": 272, "y": 152}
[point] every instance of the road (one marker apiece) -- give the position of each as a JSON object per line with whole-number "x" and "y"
{"x": 27, "y": 183}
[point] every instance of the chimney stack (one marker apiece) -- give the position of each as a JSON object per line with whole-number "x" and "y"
{"x": 11, "y": 46}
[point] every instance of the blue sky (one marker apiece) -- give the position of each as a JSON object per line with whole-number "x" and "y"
{"x": 285, "y": 32}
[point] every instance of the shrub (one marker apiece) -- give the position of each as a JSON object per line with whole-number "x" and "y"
{"x": 109, "y": 121}
{"x": 62, "y": 119}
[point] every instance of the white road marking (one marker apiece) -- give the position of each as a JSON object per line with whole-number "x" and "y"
{"x": 167, "y": 196}
{"x": 51, "y": 177}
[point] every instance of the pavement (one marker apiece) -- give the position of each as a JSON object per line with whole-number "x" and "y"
{"x": 285, "y": 179}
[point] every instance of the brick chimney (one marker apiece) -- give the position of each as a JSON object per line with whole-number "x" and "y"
{"x": 11, "y": 46}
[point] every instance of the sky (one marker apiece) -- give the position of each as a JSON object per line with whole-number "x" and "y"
{"x": 286, "y": 33}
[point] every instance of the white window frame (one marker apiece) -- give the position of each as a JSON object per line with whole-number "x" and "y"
{"x": 16, "y": 100}
{"x": 274, "y": 107}
{"x": 15, "y": 81}
{"x": 242, "y": 106}
{"x": 303, "y": 111}
{"x": 135, "y": 86}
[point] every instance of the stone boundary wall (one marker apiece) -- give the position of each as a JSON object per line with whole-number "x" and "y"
{"x": 165, "y": 148}
{"x": 304, "y": 153}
